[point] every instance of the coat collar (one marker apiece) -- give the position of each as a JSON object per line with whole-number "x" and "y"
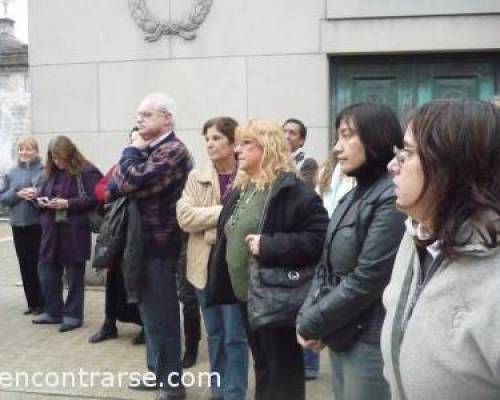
{"x": 209, "y": 176}
{"x": 477, "y": 242}
{"x": 282, "y": 181}
{"x": 379, "y": 186}
{"x": 35, "y": 163}
{"x": 206, "y": 175}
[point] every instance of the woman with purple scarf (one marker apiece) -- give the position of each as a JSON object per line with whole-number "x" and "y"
{"x": 66, "y": 196}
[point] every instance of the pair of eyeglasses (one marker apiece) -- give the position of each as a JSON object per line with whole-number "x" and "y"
{"x": 402, "y": 155}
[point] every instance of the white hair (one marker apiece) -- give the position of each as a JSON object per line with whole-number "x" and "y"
{"x": 163, "y": 103}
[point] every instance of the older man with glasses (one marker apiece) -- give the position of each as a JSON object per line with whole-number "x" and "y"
{"x": 155, "y": 168}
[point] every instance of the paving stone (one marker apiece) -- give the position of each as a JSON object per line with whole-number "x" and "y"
{"x": 29, "y": 349}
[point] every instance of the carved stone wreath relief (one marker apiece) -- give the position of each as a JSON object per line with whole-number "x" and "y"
{"x": 154, "y": 28}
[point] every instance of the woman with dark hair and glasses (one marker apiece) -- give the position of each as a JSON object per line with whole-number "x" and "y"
{"x": 344, "y": 307}
{"x": 441, "y": 334}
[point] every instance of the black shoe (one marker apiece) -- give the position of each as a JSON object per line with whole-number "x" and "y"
{"x": 38, "y": 311}
{"x": 171, "y": 394}
{"x": 68, "y": 327}
{"x": 144, "y": 384}
{"x": 106, "y": 332}
{"x": 45, "y": 319}
{"x": 34, "y": 311}
{"x": 139, "y": 339}
{"x": 190, "y": 356}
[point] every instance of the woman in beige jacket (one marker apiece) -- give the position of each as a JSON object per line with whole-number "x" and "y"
{"x": 197, "y": 213}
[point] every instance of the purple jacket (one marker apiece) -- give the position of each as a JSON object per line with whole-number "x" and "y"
{"x": 68, "y": 242}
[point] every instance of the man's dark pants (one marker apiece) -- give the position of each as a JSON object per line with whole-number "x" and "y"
{"x": 159, "y": 309}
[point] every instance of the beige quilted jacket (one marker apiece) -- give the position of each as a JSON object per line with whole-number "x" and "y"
{"x": 198, "y": 210}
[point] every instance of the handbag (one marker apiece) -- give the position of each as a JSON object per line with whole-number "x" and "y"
{"x": 110, "y": 241}
{"x": 94, "y": 217}
{"x": 276, "y": 294}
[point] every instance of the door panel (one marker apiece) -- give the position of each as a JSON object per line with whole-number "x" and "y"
{"x": 405, "y": 82}
{"x": 381, "y": 90}
{"x": 468, "y": 79}
{"x": 455, "y": 87}
{"x": 389, "y": 84}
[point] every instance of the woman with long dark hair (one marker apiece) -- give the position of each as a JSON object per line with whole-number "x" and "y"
{"x": 344, "y": 307}
{"x": 441, "y": 334}
{"x": 66, "y": 196}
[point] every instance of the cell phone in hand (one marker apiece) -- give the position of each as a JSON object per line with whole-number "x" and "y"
{"x": 42, "y": 200}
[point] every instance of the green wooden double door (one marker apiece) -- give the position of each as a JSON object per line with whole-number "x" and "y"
{"x": 405, "y": 82}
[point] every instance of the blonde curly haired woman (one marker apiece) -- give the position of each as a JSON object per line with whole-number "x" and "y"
{"x": 271, "y": 229}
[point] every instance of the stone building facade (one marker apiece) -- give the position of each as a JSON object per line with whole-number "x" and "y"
{"x": 14, "y": 91}
{"x": 91, "y": 65}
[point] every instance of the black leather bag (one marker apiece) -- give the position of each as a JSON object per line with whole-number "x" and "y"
{"x": 110, "y": 241}
{"x": 276, "y": 294}
{"x": 95, "y": 216}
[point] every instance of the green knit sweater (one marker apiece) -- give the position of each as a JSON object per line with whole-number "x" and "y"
{"x": 244, "y": 221}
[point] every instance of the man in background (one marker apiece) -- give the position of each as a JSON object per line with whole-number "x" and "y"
{"x": 307, "y": 167}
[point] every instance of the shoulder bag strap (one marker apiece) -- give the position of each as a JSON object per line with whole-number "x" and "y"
{"x": 81, "y": 188}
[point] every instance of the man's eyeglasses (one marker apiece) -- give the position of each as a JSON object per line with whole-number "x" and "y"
{"x": 402, "y": 155}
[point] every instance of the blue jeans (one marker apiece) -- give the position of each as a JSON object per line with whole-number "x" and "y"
{"x": 357, "y": 374}
{"x": 227, "y": 348}
{"x": 311, "y": 364}
{"x": 159, "y": 309}
{"x": 51, "y": 281}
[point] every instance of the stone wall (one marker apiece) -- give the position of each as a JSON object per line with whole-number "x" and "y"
{"x": 90, "y": 64}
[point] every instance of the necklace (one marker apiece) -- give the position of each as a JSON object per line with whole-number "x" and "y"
{"x": 241, "y": 203}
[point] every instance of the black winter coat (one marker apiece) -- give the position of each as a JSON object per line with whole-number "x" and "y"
{"x": 120, "y": 244}
{"x": 356, "y": 264}
{"x": 293, "y": 229}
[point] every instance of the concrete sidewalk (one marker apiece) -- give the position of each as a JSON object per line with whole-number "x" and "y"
{"x": 43, "y": 355}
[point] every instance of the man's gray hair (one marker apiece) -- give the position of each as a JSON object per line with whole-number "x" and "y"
{"x": 164, "y": 103}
